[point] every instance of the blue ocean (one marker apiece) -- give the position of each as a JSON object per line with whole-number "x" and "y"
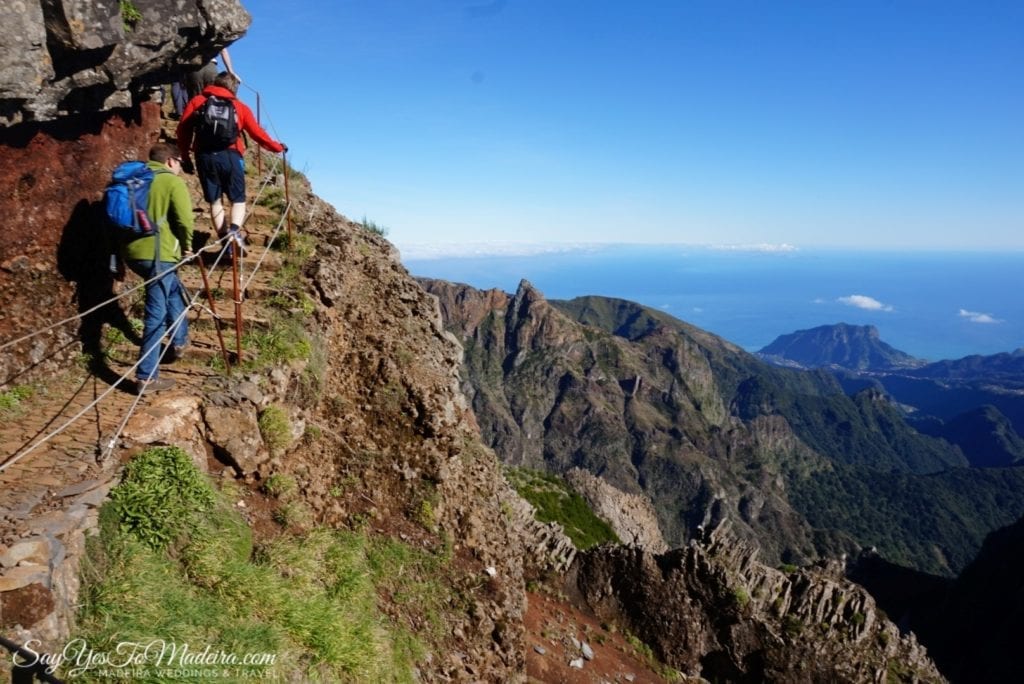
{"x": 932, "y": 305}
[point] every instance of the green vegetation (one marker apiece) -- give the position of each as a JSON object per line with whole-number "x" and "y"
{"x": 280, "y": 486}
{"x": 293, "y": 514}
{"x": 555, "y": 502}
{"x": 934, "y": 523}
{"x": 10, "y": 401}
{"x": 174, "y": 562}
{"x": 373, "y": 227}
{"x": 285, "y": 341}
{"x": 275, "y": 428}
{"x": 130, "y": 14}
{"x": 272, "y": 198}
{"x": 161, "y": 491}
{"x": 646, "y": 653}
{"x": 741, "y": 598}
{"x": 114, "y": 337}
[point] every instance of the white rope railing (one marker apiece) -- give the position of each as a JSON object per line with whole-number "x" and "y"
{"x": 99, "y": 306}
{"x": 177, "y": 323}
{"x": 227, "y": 240}
{"x": 277, "y": 231}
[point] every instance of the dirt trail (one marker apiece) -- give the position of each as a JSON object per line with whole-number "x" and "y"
{"x": 79, "y": 458}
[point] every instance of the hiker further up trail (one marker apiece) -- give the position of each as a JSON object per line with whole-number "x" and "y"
{"x": 211, "y": 126}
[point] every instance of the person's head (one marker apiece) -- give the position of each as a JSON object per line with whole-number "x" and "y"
{"x": 166, "y": 154}
{"x": 226, "y": 79}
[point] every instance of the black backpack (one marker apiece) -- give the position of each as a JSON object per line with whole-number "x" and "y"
{"x": 216, "y": 124}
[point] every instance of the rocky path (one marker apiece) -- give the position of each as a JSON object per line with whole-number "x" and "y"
{"x": 49, "y": 496}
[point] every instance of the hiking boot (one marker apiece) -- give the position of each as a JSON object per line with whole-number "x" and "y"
{"x": 174, "y": 352}
{"x": 238, "y": 239}
{"x": 153, "y": 385}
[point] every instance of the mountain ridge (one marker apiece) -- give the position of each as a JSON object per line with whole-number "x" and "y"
{"x": 663, "y": 402}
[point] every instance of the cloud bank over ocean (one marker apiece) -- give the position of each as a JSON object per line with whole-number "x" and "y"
{"x": 509, "y": 248}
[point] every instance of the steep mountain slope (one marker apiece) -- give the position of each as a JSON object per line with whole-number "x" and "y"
{"x": 705, "y": 430}
{"x": 1006, "y": 368}
{"x": 975, "y": 629}
{"x": 984, "y": 434}
{"x": 857, "y": 347}
{"x": 975, "y": 403}
{"x": 971, "y": 625}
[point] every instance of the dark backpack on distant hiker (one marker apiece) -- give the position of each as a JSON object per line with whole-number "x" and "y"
{"x": 126, "y": 198}
{"x": 216, "y": 124}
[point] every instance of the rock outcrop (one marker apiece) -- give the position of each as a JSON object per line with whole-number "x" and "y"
{"x": 80, "y": 56}
{"x": 631, "y": 516}
{"x": 711, "y": 610}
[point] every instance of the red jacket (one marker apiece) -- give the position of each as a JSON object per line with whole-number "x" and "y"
{"x": 246, "y": 123}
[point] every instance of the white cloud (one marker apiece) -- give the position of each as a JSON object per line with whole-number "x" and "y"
{"x": 818, "y": 300}
{"x": 864, "y": 302}
{"x": 762, "y": 247}
{"x": 441, "y": 250}
{"x": 976, "y": 317}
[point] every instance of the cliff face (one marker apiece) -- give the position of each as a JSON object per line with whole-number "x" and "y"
{"x": 72, "y": 106}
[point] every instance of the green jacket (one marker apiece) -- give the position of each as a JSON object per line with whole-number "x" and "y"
{"x": 170, "y": 205}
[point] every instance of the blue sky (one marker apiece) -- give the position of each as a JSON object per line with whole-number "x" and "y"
{"x": 872, "y": 124}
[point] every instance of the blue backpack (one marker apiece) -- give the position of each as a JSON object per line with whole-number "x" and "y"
{"x": 126, "y": 199}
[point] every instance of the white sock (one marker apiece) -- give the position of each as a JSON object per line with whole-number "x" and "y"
{"x": 217, "y": 214}
{"x": 237, "y": 213}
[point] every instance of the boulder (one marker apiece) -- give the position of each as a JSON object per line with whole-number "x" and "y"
{"x": 69, "y": 56}
{"x": 235, "y": 435}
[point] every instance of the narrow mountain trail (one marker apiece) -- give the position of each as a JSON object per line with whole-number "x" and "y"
{"x": 60, "y": 447}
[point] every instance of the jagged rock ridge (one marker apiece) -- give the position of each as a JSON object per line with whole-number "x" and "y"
{"x": 711, "y": 610}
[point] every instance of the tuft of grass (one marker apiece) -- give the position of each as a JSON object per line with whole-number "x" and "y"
{"x": 555, "y": 502}
{"x": 130, "y": 14}
{"x": 285, "y": 341}
{"x": 272, "y": 198}
{"x": 161, "y": 492}
{"x": 114, "y": 337}
{"x": 293, "y": 514}
{"x": 276, "y": 429}
{"x": 280, "y": 486}
{"x": 307, "y": 605}
{"x": 373, "y": 227}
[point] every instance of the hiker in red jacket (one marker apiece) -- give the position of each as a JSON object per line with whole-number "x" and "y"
{"x": 211, "y": 126}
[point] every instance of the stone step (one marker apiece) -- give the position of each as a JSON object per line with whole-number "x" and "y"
{"x": 224, "y": 293}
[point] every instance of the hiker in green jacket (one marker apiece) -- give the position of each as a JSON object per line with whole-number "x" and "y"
{"x": 170, "y": 207}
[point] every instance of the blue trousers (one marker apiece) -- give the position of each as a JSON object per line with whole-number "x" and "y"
{"x": 165, "y": 303}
